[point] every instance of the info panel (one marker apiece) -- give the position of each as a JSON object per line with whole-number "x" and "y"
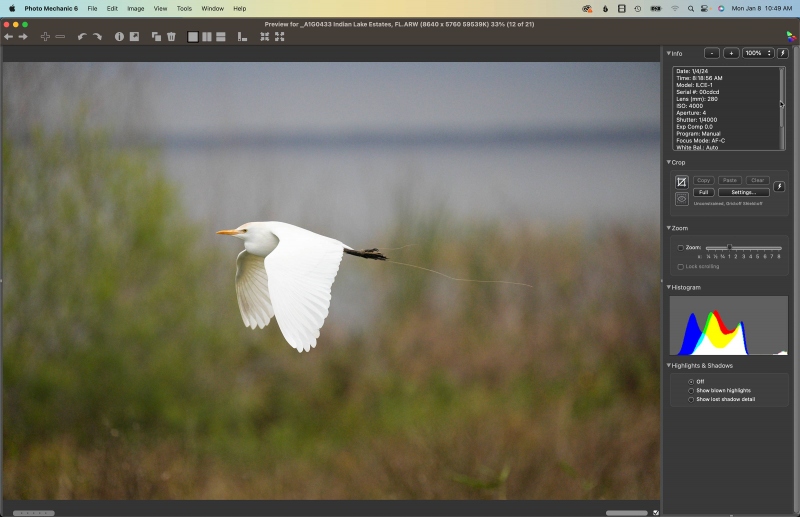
{"x": 728, "y": 253}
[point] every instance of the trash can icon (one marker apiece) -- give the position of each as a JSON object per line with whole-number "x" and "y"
{"x": 170, "y": 36}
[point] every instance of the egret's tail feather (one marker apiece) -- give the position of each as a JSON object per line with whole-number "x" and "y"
{"x": 372, "y": 253}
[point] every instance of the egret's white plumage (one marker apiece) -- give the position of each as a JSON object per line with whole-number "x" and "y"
{"x": 287, "y": 272}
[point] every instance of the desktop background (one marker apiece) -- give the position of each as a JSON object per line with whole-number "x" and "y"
{"x": 127, "y": 370}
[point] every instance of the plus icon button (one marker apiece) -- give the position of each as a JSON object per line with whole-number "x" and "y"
{"x": 45, "y": 36}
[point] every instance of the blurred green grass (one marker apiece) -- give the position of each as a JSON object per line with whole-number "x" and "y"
{"x": 128, "y": 373}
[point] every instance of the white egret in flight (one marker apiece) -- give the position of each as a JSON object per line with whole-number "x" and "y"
{"x": 287, "y": 272}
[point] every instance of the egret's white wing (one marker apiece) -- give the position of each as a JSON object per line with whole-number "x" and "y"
{"x": 252, "y": 290}
{"x": 301, "y": 271}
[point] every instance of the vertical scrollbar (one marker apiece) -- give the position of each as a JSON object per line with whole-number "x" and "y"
{"x": 796, "y": 297}
{"x": 782, "y": 112}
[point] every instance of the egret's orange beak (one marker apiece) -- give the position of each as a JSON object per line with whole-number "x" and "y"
{"x": 229, "y": 232}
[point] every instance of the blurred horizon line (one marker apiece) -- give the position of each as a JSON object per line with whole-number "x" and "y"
{"x": 508, "y": 136}
{"x": 414, "y": 138}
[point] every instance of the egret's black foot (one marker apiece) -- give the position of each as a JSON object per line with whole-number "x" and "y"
{"x": 372, "y": 253}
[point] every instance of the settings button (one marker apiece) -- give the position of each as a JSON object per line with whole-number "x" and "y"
{"x": 743, "y": 192}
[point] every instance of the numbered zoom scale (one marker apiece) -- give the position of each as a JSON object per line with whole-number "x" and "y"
{"x": 729, "y": 255}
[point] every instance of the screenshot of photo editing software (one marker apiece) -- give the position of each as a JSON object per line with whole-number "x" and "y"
{"x": 411, "y": 258}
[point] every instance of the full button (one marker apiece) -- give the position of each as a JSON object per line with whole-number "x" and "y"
{"x": 704, "y": 192}
{"x": 712, "y": 53}
{"x": 731, "y": 53}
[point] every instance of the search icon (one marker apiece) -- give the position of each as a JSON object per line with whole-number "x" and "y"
{"x": 691, "y": 8}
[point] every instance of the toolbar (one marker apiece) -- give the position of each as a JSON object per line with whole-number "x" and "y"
{"x": 764, "y": 33}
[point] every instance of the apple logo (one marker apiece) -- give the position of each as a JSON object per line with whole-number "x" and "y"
{"x": 12, "y": 8}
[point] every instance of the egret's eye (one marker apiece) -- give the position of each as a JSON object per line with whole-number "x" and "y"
{"x": 244, "y": 231}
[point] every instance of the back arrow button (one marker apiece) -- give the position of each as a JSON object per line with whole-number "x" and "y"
{"x": 8, "y": 36}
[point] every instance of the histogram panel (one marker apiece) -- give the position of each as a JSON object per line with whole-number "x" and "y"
{"x": 728, "y": 325}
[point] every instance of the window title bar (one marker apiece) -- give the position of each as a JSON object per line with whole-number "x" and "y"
{"x": 403, "y": 8}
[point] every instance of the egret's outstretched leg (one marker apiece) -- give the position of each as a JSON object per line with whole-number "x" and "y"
{"x": 372, "y": 253}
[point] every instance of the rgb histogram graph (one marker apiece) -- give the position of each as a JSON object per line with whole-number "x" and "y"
{"x": 715, "y": 325}
{"x": 714, "y": 339}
